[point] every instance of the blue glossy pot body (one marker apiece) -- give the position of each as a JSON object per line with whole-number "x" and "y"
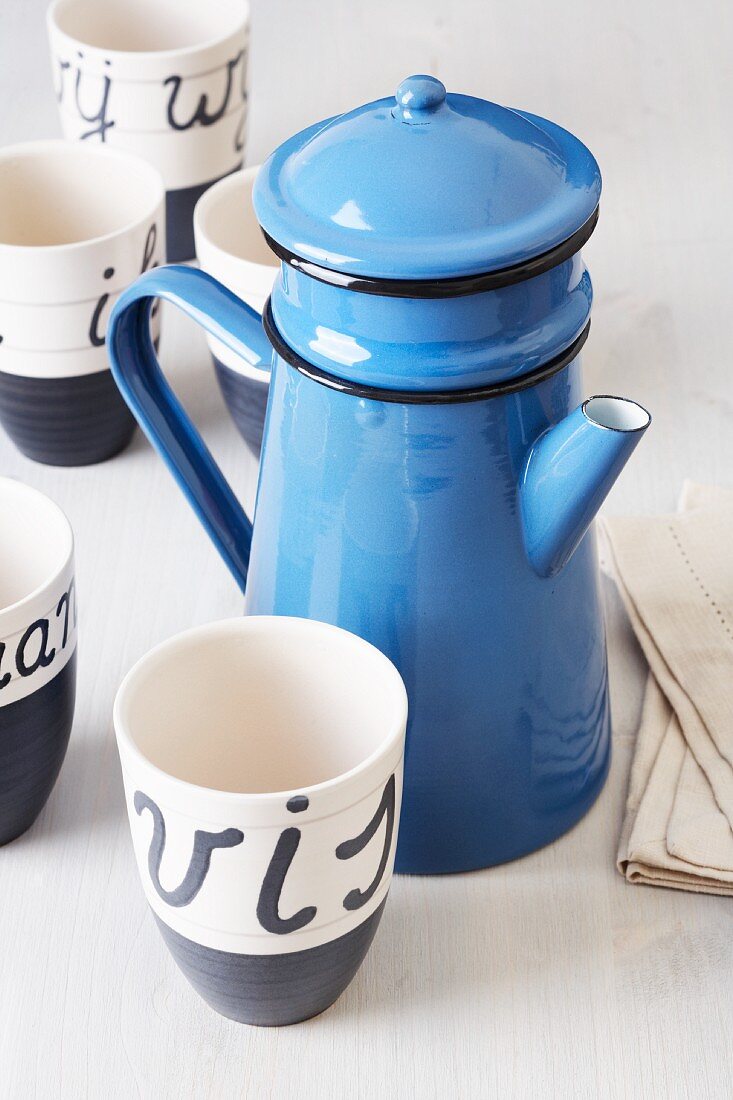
{"x": 431, "y": 344}
{"x": 428, "y": 477}
{"x": 401, "y": 523}
{"x": 453, "y": 535}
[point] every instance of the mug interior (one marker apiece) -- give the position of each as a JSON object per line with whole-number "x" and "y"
{"x": 149, "y": 26}
{"x": 261, "y": 705}
{"x": 59, "y": 193}
{"x": 226, "y": 218}
{"x": 35, "y": 541}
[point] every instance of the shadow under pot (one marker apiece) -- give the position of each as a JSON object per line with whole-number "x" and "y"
{"x": 37, "y": 652}
{"x": 230, "y": 246}
{"x": 77, "y": 225}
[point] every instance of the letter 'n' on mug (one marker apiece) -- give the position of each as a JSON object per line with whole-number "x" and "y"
{"x": 37, "y": 651}
{"x": 262, "y": 762}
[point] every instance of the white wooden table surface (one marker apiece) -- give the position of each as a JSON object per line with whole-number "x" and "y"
{"x": 548, "y": 977}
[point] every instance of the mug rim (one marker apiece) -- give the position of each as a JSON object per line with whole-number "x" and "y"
{"x": 250, "y": 623}
{"x": 45, "y": 146}
{"x": 208, "y": 201}
{"x": 183, "y": 51}
{"x": 22, "y": 487}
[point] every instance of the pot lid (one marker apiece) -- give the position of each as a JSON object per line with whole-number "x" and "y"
{"x": 427, "y": 185}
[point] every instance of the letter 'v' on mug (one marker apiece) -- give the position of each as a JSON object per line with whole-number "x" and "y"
{"x": 262, "y": 762}
{"x": 163, "y": 79}
{"x": 77, "y": 225}
{"x": 37, "y": 651}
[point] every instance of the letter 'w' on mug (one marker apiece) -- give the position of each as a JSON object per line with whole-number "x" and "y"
{"x": 163, "y": 79}
{"x": 77, "y": 225}
{"x": 262, "y": 762}
{"x": 37, "y": 651}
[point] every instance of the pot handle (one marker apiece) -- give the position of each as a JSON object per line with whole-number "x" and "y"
{"x": 138, "y": 375}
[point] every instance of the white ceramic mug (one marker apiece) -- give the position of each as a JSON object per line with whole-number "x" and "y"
{"x": 164, "y": 79}
{"x": 77, "y": 225}
{"x": 231, "y": 247}
{"x": 37, "y": 651}
{"x": 262, "y": 762}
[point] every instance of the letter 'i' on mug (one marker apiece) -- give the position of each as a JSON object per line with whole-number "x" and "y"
{"x": 77, "y": 225}
{"x": 37, "y": 651}
{"x": 262, "y": 763}
{"x": 163, "y": 79}
{"x": 231, "y": 247}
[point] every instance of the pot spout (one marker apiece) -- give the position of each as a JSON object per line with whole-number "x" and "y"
{"x": 569, "y": 472}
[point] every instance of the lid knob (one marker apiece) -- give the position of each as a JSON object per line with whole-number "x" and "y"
{"x": 417, "y": 97}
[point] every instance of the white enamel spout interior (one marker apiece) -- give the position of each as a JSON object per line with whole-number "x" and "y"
{"x": 618, "y": 414}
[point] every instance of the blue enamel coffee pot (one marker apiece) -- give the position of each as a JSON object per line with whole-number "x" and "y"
{"x": 429, "y": 473}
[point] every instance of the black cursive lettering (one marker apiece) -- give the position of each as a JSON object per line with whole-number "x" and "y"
{"x": 96, "y": 339}
{"x": 350, "y": 848}
{"x": 203, "y": 845}
{"x": 66, "y": 602}
{"x": 60, "y": 86}
{"x": 239, "y": 132}
{"x": 201, "y": 114}
{"x": 149, "y": 248}
{"x": 148, "y": 253}
{"x": 44, "y": 658}
{"x": 101, "y": 116}
{"x": 269, "y": 900}
{"x": 5, "y": 678}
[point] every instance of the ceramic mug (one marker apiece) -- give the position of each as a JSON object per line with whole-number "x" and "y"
{"x": 77, "y": 225}
{"x": 262, "y": 763}
{"x": 37, "y": 651}
{"x": 231, "y": 247}
{"x": 164, "y": 79}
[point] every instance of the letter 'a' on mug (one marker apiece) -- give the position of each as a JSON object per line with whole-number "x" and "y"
{"x": 38, "y": 622}
{"x": 262, "y": 762}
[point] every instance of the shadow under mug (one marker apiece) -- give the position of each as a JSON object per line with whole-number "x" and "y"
{"x": 262, "y": 763}
{"x": 230, "y": 246}
{"x": 77, "y": 225}
{"x": 163, "y": 79}
{"x": 37, "y": 651}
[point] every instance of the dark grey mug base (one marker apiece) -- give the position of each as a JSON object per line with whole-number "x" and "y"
{"x": 34, "y": 734}
{"x": 179, "y": 206}
{"x": 246, "y": 400}
{"x": 73, "y": 421}
{"x": 272, "y": 990}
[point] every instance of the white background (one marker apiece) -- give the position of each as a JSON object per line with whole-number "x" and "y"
{"x": 549, "y": 977}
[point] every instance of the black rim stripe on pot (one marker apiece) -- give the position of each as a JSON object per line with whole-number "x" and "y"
{"x": 419, "y": 397}
{"x": 441, "y": 288}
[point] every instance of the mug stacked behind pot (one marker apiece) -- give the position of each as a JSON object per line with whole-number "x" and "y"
{"x": 165, "y": 81}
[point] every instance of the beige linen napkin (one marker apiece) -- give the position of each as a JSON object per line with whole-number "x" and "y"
{"x": 675, "y": 576}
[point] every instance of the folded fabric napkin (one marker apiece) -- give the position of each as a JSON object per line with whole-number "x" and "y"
{"x": 675, "y": 576}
